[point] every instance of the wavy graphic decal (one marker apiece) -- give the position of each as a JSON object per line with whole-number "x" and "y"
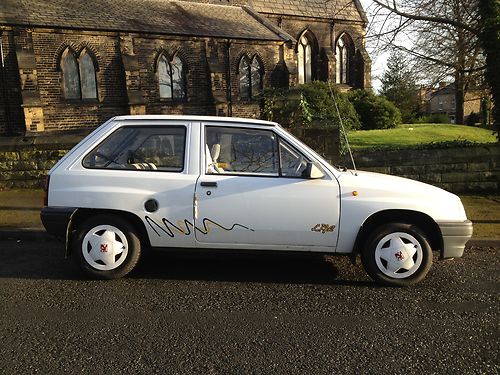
{"x": 170, "y": 228}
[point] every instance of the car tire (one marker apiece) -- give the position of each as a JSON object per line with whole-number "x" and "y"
{"x": 106, "y": 247}
{"x": 397, "y": 254}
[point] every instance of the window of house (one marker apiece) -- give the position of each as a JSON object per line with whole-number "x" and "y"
{"x": 141, "y": 148}
{"x": 344, "y": 55}
{"x": 250, "y": 77}
{"x": 171, "y": 78}
{"x": 79, "y": 75}
{"x": 304, "y": 57}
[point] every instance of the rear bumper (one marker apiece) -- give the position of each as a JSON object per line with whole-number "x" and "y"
{"x": 56, "y": 219}
{"x": 455, "y": 236}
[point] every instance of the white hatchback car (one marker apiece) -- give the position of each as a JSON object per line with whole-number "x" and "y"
{"x": 225, "y": 183}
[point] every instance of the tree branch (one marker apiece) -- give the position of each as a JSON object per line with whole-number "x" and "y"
{"x": 442, "y": 20}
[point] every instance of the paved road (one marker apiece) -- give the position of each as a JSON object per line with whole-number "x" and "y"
{"x": 243, "y": 314}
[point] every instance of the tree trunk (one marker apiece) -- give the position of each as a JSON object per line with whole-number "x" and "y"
{"x": 459, "y": 98}
{"x": 490, "y": 39}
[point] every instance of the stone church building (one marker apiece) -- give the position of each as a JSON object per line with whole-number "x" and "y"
{"x": 72, "y": 64}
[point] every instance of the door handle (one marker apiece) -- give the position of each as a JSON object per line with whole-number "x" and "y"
{"x": 208, "y": 183}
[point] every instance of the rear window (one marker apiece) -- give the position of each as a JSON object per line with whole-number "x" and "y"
{"x": 141, "y": 148}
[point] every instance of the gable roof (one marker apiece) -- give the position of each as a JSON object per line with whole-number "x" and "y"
{"x": 145, "y": 16}
{"x": 445, "y": 90}
{"x": 334, "y": 9}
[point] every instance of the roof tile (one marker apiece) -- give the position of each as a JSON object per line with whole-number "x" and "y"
{"x": 153, "y": 16}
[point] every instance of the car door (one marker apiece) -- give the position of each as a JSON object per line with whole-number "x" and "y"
{"x": 250, "y": 193}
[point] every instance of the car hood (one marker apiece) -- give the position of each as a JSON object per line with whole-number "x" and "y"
{"x": 400, "y": 193}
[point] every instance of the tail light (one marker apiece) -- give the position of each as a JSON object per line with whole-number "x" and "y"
{"x": 46, "y": 191}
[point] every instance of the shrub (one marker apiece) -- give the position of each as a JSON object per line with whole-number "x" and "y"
{"x": 375, "y": 112}
{"x": 473, "y": 119}
{"x": 436, "y": 118}
{"x": 439, "y": 118}
{"x": 306, "y": 104}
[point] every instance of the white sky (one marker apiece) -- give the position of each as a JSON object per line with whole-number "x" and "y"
{"x": 379, "y": 61}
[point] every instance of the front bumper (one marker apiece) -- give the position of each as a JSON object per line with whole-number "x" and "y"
{"x": 455, "y": 236}
{"x": 56, "y": 219}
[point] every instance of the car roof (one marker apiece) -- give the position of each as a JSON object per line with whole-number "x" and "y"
{"x": 194, "y": 118}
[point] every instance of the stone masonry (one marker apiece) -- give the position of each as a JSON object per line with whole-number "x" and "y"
{"x": 125, "y": 39}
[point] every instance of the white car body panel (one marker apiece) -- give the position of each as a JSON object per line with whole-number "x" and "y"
{"x": 274, "y": 210}
{"x": 378, "y": 192}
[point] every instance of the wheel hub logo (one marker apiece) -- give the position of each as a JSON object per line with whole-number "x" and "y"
{"x": 104, "y": 248}
{"x": 399, "y": 256}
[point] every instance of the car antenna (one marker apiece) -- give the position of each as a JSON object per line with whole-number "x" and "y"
{"x": 343, "y": 129}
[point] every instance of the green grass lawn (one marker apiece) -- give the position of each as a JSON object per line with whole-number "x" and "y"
{"x": 410, "y": 135}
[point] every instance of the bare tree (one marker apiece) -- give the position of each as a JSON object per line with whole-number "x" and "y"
{"x": 442, "y": 36}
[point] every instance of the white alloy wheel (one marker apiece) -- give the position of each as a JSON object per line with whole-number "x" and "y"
{"x": 398, "y": 255}
{"x": 105, "y": 247}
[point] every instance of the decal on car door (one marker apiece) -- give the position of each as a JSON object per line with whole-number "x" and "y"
{"x": 168, "y": 227}
{"x": 323, "y": 228}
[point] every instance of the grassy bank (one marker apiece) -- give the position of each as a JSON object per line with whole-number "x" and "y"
{"x": 484, "y": 212}
{"x": 413, "y": 135}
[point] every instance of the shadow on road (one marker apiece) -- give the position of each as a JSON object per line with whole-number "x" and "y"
{"x": 237, "y": 267}
{"x": 45, "y": 260}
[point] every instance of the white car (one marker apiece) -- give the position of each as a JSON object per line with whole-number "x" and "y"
{"x": 226, "y": 183}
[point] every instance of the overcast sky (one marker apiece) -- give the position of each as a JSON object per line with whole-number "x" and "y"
{"x": 379, "y": 61}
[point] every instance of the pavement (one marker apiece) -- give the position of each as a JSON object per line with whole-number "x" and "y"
{"x": 20, "y": 218}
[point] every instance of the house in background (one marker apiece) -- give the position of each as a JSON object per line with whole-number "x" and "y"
{"x": 72, "y": 64}
{"x": 442, "y": 101}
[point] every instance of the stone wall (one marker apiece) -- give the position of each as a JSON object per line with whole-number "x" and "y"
{"x": 459, "y": 170}
{"x": 25, "y": 161}
{"x": 325, "y": 141}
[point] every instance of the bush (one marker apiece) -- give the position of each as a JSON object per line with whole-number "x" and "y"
{"x": 436, "y": 118}
{"x": 375, "y": 112}
{"x": 473, "y": 119}
{"x": 307, "y": 104}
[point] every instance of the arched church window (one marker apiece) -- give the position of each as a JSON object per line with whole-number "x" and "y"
{"x": 79, "y": 75}
{"x": 304, "y": 56}
{"x": 250, "y": 77}
{"x": 171, "y": 78}
{"x": 87, "y": 77}
{"x": 71, "y": 77}
{"x": 344, "y": 54}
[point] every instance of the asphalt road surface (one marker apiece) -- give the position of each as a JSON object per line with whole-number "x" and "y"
{"x": 244, "y": 314}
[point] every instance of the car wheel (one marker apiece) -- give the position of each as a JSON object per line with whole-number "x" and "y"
{"x": 397, "y": 255}
{"x": 106, "y": 247}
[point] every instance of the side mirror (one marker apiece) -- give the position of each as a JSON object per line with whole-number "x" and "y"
{"x": 312, "y": 171}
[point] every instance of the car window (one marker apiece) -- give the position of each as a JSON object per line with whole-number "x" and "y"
{"x": 241, "y": 151}
{"x": 293, "y": 163}
{"x": 141, "y": 148}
